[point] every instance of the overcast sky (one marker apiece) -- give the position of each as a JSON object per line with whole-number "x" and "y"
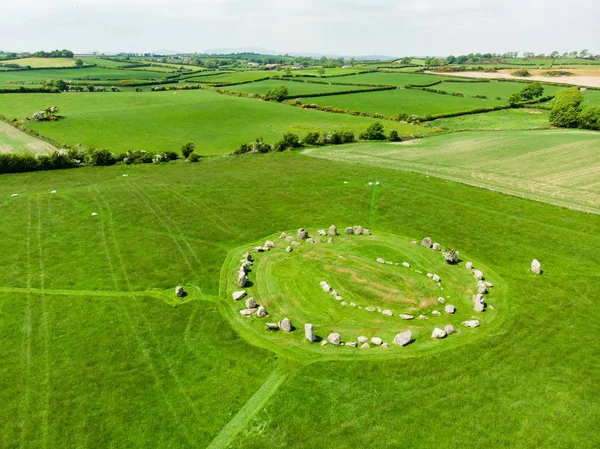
{"x": 347, "y": 27}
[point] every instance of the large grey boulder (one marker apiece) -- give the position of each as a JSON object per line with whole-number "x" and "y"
{"x": 302, "y": 234}
{"x": 289, "y": 249}
{"x": 247, "y": 257}
{"x": 469, "y": 265}
{"x": 258, "y": 249}
{"x": 435, "y": 278}
{"x": 348, "y": 231}
{"x": 309, "y": 332}
{"x": 334, "y": 338}
{"x": 242, "y": 280}
{"x": 269, "y": 244}
{"x": 261, "y": 312}
{"x": 437, "y": 247}
{"x": 179, "y": 291}
{"x": 325, "y": 286}
{"x": 438, "y": 333}
{"x": 536, "y": 266}
{"x": 376, "y": 341}
{"x": 479, "y": 307}
{"x": 238, "y": 295}
{"x": 357, "y": 230}
{"x": 406, "y": 317}
{"x": 285, "y": 325}
{"x": 251, "y": 303}
{"x": 450, "y": 309}
{"x": 362, "y": 339}
{"x": 333, "y": 230}
{"x": 427, "y": 243}
{"x": 449, "y": 329}
{"x": 471, "y": 323}
{"x": 403, "y": 338}
{"x": 478, "y": 274}
{"x": 481, "y": 287}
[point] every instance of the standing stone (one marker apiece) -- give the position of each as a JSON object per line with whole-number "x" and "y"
{"x": 385, "y": 345}
{"x": 261, "y": 312}
{"x": 366, "y": 232}
{"x": 289, "y": 249}
{"x": 324, "y": 343}
{"x": 377, "y": 183}
{"x": 481, "y": 287}
{"x": 471, "y": 323}
{"x": 269, "y": 244}
{"x": 295, "y": 243}
{"x": 322, "y": 232}
{"x": 449, "y": 329}
{"x": 333, "y": 230}
{"x": 357, "y": 230}
{"x": 427, "y": 242}
{"x": 348, "y": 231}
{"x": 380, "y": 260}
{"x": 179, "y": 291}
{"x": 242, "y": 280}
{"x": 258, "y": 249}
{"x": 302, "y": 234}
{"x": 289, "y": 238}
{"x": 435, "y": 278}
{"x": 406, "y": 264}
{"x": 238, "y": 295}
{"x": 376, "y": 341}
{"x": 536, "y": 266}
{"x": 285, "y": 325}
{"x": 334, "y": 338}
{"x": 478, "y": 275}
{"x": 469, "y": 265}
{"x": 329, "y": 240}
{"x": 437, "y": 247}
{"x": 436, "y": 313}
{"x": 450, "y": 309}
{"x": 251, "y": 303}
{"x": 362, "y": 339}
{"x": 309, "y": 240}
{"x": 283, "y": 235}
{"x": 403, "y": 338}
{"x": 247, "y": 256}
{"x": 309, "y": 331}
{"x": 438, "y": 333}
{"x": 423, "y": 317}
{"x": 387, "y": 312}
{"x": 365, "y": 346}
{"x": 479, "y": 306}
{"x": 370, "y": 184}
{"x": 325, "y": 286}
{"x": 441, "y": 300}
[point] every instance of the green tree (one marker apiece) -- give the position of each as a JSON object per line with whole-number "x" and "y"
{"x": 374, "y": 132}
{"x": 589, "y": 118}
{"x": 79, "y": 63}
{"x": 566, "y": 108}
{"x": 451, "y": 59}
{"x": 187, "y": 149}
{"x": 277, "y": 93}
{"x": 320, "y": 71}
{"x": 534, "y": 90}
{"x": 60, "y": 85}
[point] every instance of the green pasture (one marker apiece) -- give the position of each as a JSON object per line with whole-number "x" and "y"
{"x": 505, "y": 119}
{"x": 14, "y": 141}
{"x": 411, "y": 101}
{"x": 77, "y": 75}
{"x": 294, "y": 88}
{"x": 560, "y": 167}
{"x": 394, "y": 79}
{"x": 329, "y": 72}
{"x": 103, "y": 62}
{"x": 492, "y": 89}
{"x": 234, "y": 77}
{"x": 162, "y": 121}
{"x": 97, "y": 352}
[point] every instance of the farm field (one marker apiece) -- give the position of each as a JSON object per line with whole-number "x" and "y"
{"x": 14, "y": 141}
{"x": 188, "y": 373}
{"x": 493, "y": 89}
{"x": 411, "y": 101}
{"x": 505, "y": 119}
{"x": 163, "y": 121}
{"x": 557, "y": 167}
{"x": 42, "y": 62}
{"x": 393, "y": 79}
{"x": 234, "y": 77}
{"x": 590, "y": 81}
{"x": 294, "y": 88}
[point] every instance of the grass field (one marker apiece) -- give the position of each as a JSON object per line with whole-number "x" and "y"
{"x": 505, "y": 119}
{"x": 234, "y": 77}
{"x": 394, "y": 79}
{"x": 14, "y": 141}
{"x": 163, "y": 121}
{"x": 411, "y": 101}
{"x": 93, "y": 357}
{"x": 557, "y": 167}
{"x": 492, "y": 89}
{"x": 294, "y": 88}
{"x": 43, "y": 62}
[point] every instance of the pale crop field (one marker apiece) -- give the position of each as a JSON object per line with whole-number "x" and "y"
{"x": 557, "y": 167}
{"x": 14, "y": 141}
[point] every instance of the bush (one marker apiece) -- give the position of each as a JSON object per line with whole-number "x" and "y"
{"x": 450, "y": 255}
{"x": 566, "y": 108}
{"x": 194, "y": 157}
{"x": 521, "y": 72}
{"x": 374, "y": 132}
{"x": 332, "y": 138}
{"x": 311, "y": 138}
{"x": 100, "y": 157}
{"x": 277, "y": 93}
{"x": 187, "y": 149}
{"x": 347, "y": 136}
{"x": 170, "y": 155}
{"x": 291, "y": 140}
{"x": 394, "y": 137}
{"x": 589, "y": 118}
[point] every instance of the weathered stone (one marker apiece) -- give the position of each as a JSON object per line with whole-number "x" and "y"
{"x": 309, "y": 332}
{"x": 377, "y": 183}
{"x": 380, "y": 260}
{"x": 295, "y": 243}
{"x": 344, "y": 303}
{"x": 272, "y": 326}
{"x": 389, "y": 262}
{"x": 366, "y": 232}
{"x": 325, "y": 286}
{"x": 481, "y": 287}
{"x": 406, "y": 317}
{"x": 348, "y": 231}
{"x": 334, "y": 338}
{"x": 242, "y": 280}
{"x": 403, "y": 338}
{"x": 441, "y": 300}
{"x": 310, "y": 240}
{"x": 333, "y": 292}
{"x": 370, "y": 309}
{"x": 450, "y": 309}
{"x": 365, "y": 346}
{"x": 285, "y": 325}
{"x": 429, "y": 275}
{"x": 435, "y": 278}
{"x": 423, "y": 317}
{"x": 488, "y": 284}
{"x": 385, "y": 345}
{"x": 357, "y": 230}
{"x": 536, "y": 266}
{"x": 387, "y": 312}
{"x": 247, "y": 312}
{"x": 370, "y": 184}
{"x": 339, "y": 298}
{"x": 352, "y": 304}
{"x": 322, "y": 232}
{"x": 436, "y": 313}
{"x": 329, "y": 240}
{"x": 438, "y": 333}
{"x": 258, "y": 249}
{"x": 362, "y": 339}
{"x": 427, "y": 242}
{"x": 179, "y": 291}
{"x": 406, "y": 264}
{"x": 376, "y": 341}
{"x": 283, "y": 235}
{"x": 437, "y": 247}
{"x": 289, "y": 249}
{"x": 479, "y": 307}
{"x": 449, "y": 329}
{"x": 261, "y": 312}
{"x": 478, "y": 275}
{"x": 469, "y": 265}
{"x": 251, "y": 303}
{"x": 302, "y": 234}
{"x": 324, "y": 343}
{"x": 269, "y": 244}
{"x": 351, "y": 344}
{"x": 318, "y": 240}
{"x": 471, "y": 323}
{"x": 333, "y": 230}
{"x": 289, "y": 238}
{"x": 238, "y": 295}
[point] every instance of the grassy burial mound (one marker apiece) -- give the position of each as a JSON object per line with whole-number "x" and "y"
{"x": 557, "y": 167}
{"x": 162, "y": 121}
{"x": 365, "y": 288}
{"x": 14, "y": 141}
